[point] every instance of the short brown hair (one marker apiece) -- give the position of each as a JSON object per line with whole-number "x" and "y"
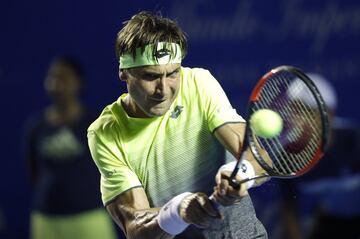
{"x": 148, "y": 28}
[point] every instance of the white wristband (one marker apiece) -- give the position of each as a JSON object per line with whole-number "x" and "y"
{"x": 246, "y": 170}
{"x": 169, "y": 219}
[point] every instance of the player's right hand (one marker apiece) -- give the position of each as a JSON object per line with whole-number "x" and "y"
{"x": 197, "y": 209}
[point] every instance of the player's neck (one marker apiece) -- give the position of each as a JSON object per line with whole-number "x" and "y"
{"x": 132, "y": 109}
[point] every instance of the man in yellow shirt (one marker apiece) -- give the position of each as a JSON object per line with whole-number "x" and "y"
{"x": 159, "y": 146}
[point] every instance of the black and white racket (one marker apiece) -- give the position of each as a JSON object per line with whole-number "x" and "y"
{"x": 303, "y": 139}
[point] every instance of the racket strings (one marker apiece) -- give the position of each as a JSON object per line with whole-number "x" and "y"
{"x": 286, "y": 112}
{"x": 283, "y": 166}
{"x": 309, "y": 116}
{"x": 304, "y": 118}
{"x": 294, "y": 149}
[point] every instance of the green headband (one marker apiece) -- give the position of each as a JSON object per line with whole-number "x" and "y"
{"x": 164, "y": 53}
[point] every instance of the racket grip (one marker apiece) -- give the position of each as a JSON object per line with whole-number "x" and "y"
{"x": 243, "y": 169}
{"x": 234, "y": 183}
{"x": 237, "y": 184}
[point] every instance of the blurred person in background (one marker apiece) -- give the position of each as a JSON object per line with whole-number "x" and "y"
{"x": 66, "y": 183}
{"x": 325, "y": 203}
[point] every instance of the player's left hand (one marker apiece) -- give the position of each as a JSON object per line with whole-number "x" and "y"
{"x": 224, "y": 193}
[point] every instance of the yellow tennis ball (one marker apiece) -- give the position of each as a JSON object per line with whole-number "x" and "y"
{"x": 266, "y": 123}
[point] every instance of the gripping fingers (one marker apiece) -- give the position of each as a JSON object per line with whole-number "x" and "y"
{"x": 224, "y": 193}
{"x": 207, "y": 206}
{"x": 197, "y": 209}
{"x": 223, "y": 186}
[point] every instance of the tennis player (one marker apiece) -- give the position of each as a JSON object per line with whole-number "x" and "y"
{"x": 159, "y": 146}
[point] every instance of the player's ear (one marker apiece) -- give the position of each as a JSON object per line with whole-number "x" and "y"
{"x": 123, "y": 75}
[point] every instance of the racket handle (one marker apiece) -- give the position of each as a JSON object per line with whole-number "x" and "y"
{"x": 233, "y": 182}
{"x": 237, "y": 184}
{"x": 243, "y": 169}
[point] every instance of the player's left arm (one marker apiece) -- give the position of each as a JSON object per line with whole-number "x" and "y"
{"x": 219, "y": 113}
{"x": 231, "y": 136}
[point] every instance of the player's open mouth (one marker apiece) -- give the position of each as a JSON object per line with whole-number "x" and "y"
{"x": 158, "y": 99}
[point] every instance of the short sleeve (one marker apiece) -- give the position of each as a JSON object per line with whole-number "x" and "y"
{"x": 116, "y": 175}
{"x": 218, "y": 109}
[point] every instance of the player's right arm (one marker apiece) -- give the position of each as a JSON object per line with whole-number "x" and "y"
{"x": 132, "y": 212}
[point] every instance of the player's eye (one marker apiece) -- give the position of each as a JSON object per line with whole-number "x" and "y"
{"x": 174, "y": 73}
{"x": 150, "y": 76}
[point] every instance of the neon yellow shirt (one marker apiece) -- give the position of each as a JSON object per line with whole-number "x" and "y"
{"x": 166, "y": 155}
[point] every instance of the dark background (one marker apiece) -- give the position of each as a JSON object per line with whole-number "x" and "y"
{"x": 238, "y": 41}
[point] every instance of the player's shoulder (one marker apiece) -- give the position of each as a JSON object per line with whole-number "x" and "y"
{"x": 195, "y": 72}
{"x": 106, "y": 122}
{"x": 198, "y": 77}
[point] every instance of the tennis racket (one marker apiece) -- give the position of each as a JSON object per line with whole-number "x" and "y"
{"x": 303, "y": 139}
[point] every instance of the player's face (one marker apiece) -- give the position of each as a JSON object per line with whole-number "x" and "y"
{"x": 152, "y": 89}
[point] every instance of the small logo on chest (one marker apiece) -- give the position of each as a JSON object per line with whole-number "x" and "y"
{"x": 176, "y": 112}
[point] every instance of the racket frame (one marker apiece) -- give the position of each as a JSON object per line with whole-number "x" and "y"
{"x": 249, "y": 139}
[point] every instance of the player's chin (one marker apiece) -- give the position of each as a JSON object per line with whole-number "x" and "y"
{"x": 158, "y": 111}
